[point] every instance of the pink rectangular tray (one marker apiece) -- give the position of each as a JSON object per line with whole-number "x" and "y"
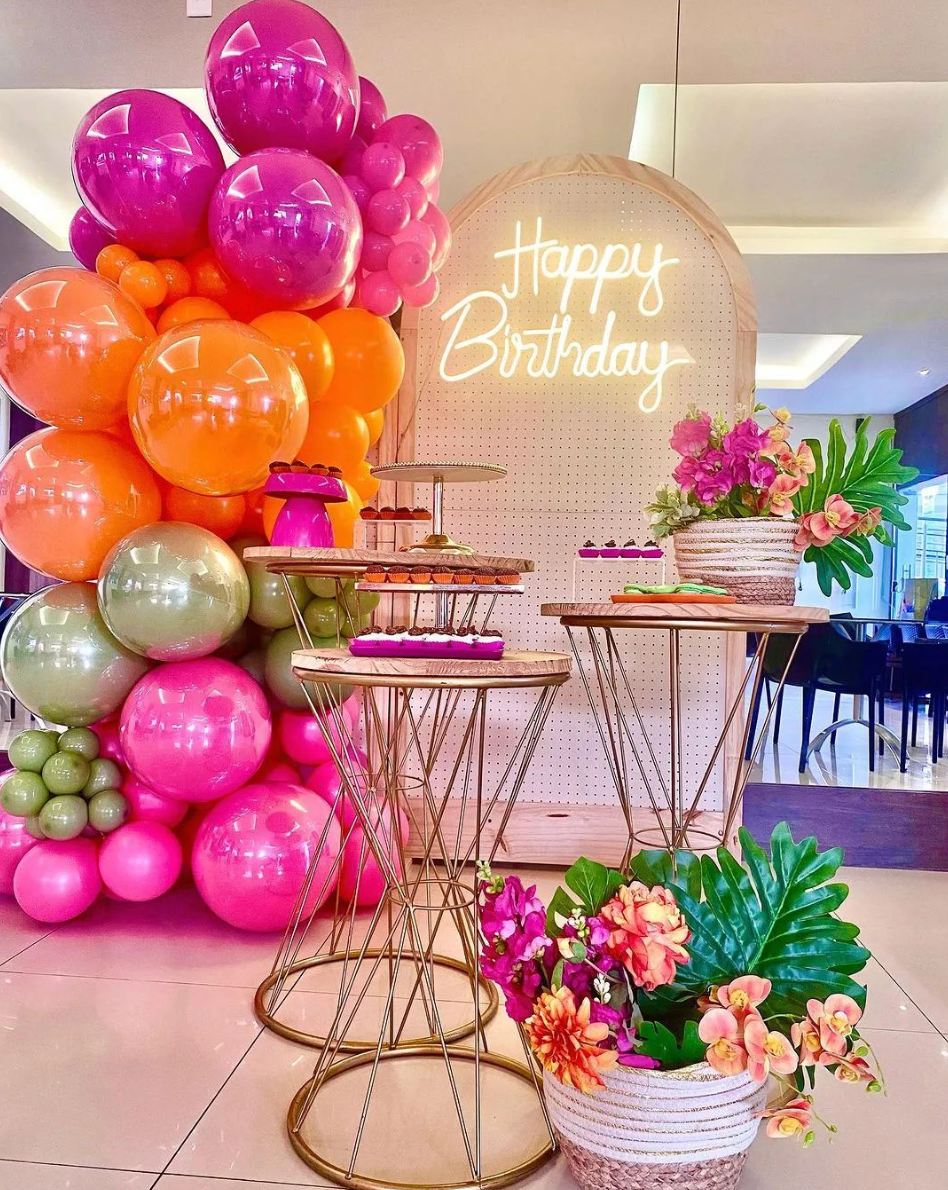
{"x": 453, "y": 650}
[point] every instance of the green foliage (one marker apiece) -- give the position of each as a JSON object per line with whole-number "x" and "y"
{"x": 865, "y": 480}
{"x": 591, "y": 884}
{"x": 773, "y": 917}
{"x": 671, "y": 510}
{"x": 658, "y": 1042}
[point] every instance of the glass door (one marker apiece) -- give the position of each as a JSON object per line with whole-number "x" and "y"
{"x": 920, "y": 553}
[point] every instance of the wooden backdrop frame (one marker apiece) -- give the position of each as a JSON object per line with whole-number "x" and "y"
{"x": 538, "y": 832}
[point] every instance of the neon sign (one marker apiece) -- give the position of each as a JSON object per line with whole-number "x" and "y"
{"x": 545, "y": 352}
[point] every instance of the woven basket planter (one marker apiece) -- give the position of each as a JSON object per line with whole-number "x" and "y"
{"x": 753, "y": 557}
{"x": 686, "y": 1129}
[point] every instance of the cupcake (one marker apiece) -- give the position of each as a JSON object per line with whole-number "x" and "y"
{"x": 403, "y": 513}
{"x": 375, "y": 573}
{"x": 298, "y": 467}
{"x": 279, "y": 467}
{"x": 508, "y": 578}
{"x": 421, "y": 574}
{"x": 441, "y": 574}
{"x": 631, "y": 550}
{"x": 369, "y": 514}
{"x": 420, "y": 514}
{"x": 398, "y": 573}
{"x": 464, "y": 575}
{"x": 319, "y": 469}
{"x": 652, "y": 549}
{"x": 484, "y": 576}
{"x": 387, "y": 513}
{"x": 589, "y": 549}
{"x": 335, "y": 472}
{"x": 610, "y": 550}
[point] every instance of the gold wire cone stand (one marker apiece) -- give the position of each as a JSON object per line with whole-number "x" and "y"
{"x": 427, "y": 730}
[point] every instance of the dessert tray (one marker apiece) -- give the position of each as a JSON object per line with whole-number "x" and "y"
{"x": 462, "y": 644}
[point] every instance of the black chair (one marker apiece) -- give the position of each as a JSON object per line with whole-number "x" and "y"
{"x": 924, "y": 671}
{"x": 937, "y": 609}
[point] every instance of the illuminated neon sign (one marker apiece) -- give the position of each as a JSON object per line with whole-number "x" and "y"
{"x": 545, "y": 352}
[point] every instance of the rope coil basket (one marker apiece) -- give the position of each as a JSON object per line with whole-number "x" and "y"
{"x": 753, "y": 557}
{"x": 686, "y": 1129}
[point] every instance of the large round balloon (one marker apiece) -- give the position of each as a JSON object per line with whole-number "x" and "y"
{"x": 56, "y": 881}
{"x": 173, "y": 591}
{"x": 15, "y": 842}
{"x": 140, "y": 860}
{"x": 69, "y": 340}
{"x": 253, "y": 850}
{"x": 87, "y": 238}
{"x": 145, "y": 166}
{"x": 59, "y": 659}
{"x": 369, "y": 361}
{"x": 286, "y": 226}
{"x": 67, "y": 497}
{"x": 147, "y": 806}
{"x": 278, "y": 73}
{"x": 195, "y": 730}
{"x": 212, "y": 404}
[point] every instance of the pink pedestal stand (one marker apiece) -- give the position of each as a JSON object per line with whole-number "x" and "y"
{"x": 303, "y": 519}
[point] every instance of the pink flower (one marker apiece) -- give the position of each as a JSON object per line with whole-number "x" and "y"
{"x": 775, "y": 439}
{"x": 854, "y": 1070}
{"x": 789, "y": 1122}
{"x": 648, "y": 933}
{"x": 746, "y": 439}
{"x": 767, "y": 1051}
{"x": 781, "y": 493}
{"x": 726, "y": 1051}
{"x": 743, "y": 995}
{"x": 819, "y": 528}
{"x": 691, "y": 436}
{"x": 760, "y": 472}
{"x": 835, "y": 1020}
{"x": 799, "y": 463}
{"x": 714, "y": 476}
{"x": 805, "y": 1035}
{"x": 868, "y": 522}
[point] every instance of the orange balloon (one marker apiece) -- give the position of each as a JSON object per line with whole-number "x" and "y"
{"x": 67, "y": 497}
{"x": 375, "y": 420}
{"x": 69, "y": 340}
{"x": 305, "y": 343}
{"x": 337, "y": 436}
{"x": 209, "y": 280}
{"x": 253, "y": 517}
{"x": 343, "y": 516}
{"x": 364, "y": 481}
{"x": 189, "y": 309}
{"x": 144, "y": 283}
{"x": 113, "y": 260}
{"x": 177, "y": 278}
{"x": 222, "y": 515}
{"x": 212, "y": 404}
{"x": 369, "y": 359}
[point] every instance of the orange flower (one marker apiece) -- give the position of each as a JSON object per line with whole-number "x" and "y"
{"x": 768, "y": 1052}
{"x": 789, "y": 1122}
{"x": 566, "y": 1043}
{"x": 649, "y": 935}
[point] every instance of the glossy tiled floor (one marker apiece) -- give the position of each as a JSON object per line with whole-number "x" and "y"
{"x": 130, "y": 1058}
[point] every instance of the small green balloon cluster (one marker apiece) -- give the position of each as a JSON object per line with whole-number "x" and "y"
{"x": 62, "y": 784}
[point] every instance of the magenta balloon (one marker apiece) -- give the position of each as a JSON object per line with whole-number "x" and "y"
{"x": 140, "y": 860}
{"x": 15, "y": 842}
{"x": 277, "y": 74}
{"x": 379, "y": 294}
{"x": 387, "y": 212}
{"x": 360, "y": 191}
{"x": 435, "y": 218}
{"x": 253, "y": 849}
{"x": 87, "y": 238}
{"x": 383, "y": 166}
{"x": 342, "y": 299}
{"x": 409, "y": 264}
{"x": 375, "y": 251}
{"x": 110, "y": 743}
{"x": 285, "y": 226}
{"x": 372, "y": 110}
{"x": 351, "y": 162}
{"x": 415, "y": 195}
{"x": 145, "y": 166}
{"x": 423, "y": 294}
{"x": 280, "y": 773}
{"x": 417, "y": 231}
{"x": 195, "y": 730}
{"x": 147, "y": 806}
{"x": 57, "y": 880}
{"x": 362, "y": 879}
{"x": 419, "y": 143}
{"x": 301, "y": 737}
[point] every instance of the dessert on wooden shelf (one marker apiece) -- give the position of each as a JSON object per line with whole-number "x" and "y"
{"x": 439, "y": 574}
{"x": 610, "y": 550}
{"x": 672, "y": 593}
{"x": 447, "y": 643}
{"x": 401, "y": 515}
{"x": 651, "y": 550}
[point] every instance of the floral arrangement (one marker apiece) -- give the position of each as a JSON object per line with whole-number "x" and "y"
{"x": 682, "y": 960}
{"x": 751, "y": 470}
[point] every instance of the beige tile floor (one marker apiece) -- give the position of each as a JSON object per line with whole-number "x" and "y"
{"x": 130, "y": 1059}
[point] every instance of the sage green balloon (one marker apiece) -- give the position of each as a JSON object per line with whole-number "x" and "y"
{"x": 64, "y": 817}
{"x": 103, "y": 774}
{"x": 30, "y": 750}
{"x": 23, "y": 794}
{"x": 278, "y": 672}
{"x": 322, "y": 617}
{"x": 322, "y": 588}
{"x": 108, "y": 810}
{"x": 66, "y": 772}
{"x": 269, "y": 605}
{"x": 80, "y": 739}
{"x": 33, "y": 827}
{"x": 254, "y": 663}
{"x": 173, "y": 592}
{"x": 61, "y": 662}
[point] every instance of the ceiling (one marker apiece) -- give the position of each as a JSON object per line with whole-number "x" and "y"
{"x": 819, "y": 132}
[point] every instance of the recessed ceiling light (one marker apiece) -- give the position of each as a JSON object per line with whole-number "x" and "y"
{"x": 924, "y": 371}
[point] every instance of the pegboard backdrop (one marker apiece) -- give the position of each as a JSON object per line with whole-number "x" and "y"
{"x": 585, "y": 303}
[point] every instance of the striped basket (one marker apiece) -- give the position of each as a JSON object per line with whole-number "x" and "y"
{"x": 686, "y": 1129}
{"x": 753, "y": 557}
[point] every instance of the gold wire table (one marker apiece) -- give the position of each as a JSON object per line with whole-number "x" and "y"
{"x": 427, "y": 721}
{"x": 630, "y": 750}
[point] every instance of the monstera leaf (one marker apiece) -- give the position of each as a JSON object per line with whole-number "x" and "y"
{"x": 772, "y": 917}
{"x": 865, "y": 481}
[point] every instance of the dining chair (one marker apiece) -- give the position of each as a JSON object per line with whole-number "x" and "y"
{"x": 924, "y": 671}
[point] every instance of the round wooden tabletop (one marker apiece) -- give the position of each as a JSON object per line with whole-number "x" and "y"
{"x": 516, "y": 668}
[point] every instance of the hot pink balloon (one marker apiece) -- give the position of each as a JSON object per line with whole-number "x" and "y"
{"x": 375, "y": 251}
{"x": 110, "y": 743}
{"x": 147, "y": 806}
{"x": 417, "y": 231}
{"x": 286, "y": 227}
{"x": 415, "y": 195}
{"x": 360, "y": 192}
{"x": 195, "y": 730}
{"x": 327, "y": 784}
{"x": 339, "y": 302}
{"x": 351, "y": 162}
{"x": 254, "y": 848}
{"x": 15, "y": 842}
{"x": 423, "y": 294}
{"x": 434, "y": 190}
{"x": 56, "y": 881}
{"x": 383, "y": 166}
{"x": 409, "y": 264}
{"x": 372, "y": 111}
{"x": 301, "y": 737}
{"x": 379, "y": 294}
{"x": 387, "y": 212}
{"x": 419, "y": 143}
{"x": 362, "y": 879}
{"x": 87, "y": 238}
{"x": 280, "y": 773}
{"x": 437, "y": 221}
{"x": 277, "y": 73}
{"x": 145, "y": 166}
{"x": 140, "y": 860}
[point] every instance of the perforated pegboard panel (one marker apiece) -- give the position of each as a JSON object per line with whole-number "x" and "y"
{"x": 582, "y": 458}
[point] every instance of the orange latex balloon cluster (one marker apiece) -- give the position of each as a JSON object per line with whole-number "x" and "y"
{"x": 69, "y": 340}
{"x": 307, "y": 345}
{"x": 222, "y": 515}
{"x": 212, "y": 404}
{"x": 67, "y": 497}
{"x": 369, "y": 361}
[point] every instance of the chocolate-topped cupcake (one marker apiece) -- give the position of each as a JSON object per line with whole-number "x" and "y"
{"x": 403, "y": 513}
{"x": 369, "y": 513}
{"x": 485, "y": 576}
{"x": 420, "y": 574}
{"x": 279, "y": 467}
{"x": 319, "y": 469}
{"x": 420, "y": 514}
{"x": 335, "y": 472}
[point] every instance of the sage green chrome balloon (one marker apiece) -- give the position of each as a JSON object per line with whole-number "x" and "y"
{"x": 281, "y": 681}
{"x": 32, "y": 827}
{"x": 322, "y": 617}
{"x": 269, "y": 606}
{"x": 80, "y": 739}
{"x": 30, "y": 750}
{"x": 173, "y": 592}
{"x": 59, "y": 659}
{"x": 103, "y": 774}
{"x": 254, "y": 663}
{"x": 23, "y": 794}
{"x": 322, "y": 588}
{"x": 108, "y": 810}
{"x": 64, "y": 817}
{"x": 66, "y": 772}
